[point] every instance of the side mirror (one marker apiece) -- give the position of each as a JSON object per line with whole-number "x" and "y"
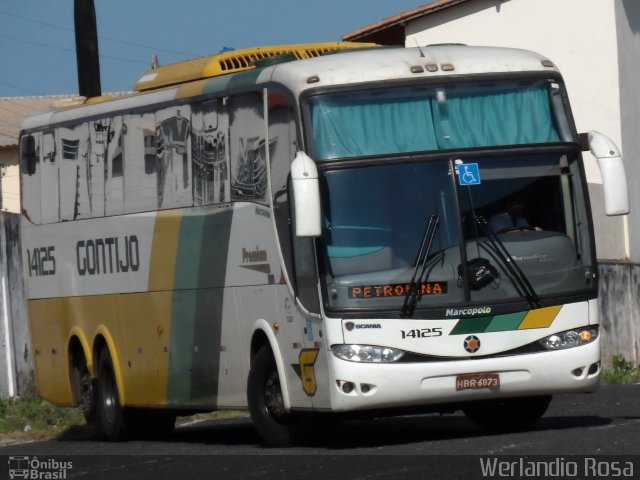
{"x": 306, "y": 194}
{"x": 614, "y": 179}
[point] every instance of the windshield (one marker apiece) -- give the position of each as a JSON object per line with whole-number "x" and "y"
{"x": 529, "y": 206}
{"x": 456, "y": 228}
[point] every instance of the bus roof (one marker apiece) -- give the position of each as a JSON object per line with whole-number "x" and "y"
{"x": 233, "y": 61}
{"x": 379, "y": 65}
{"x": 349, "y": 67}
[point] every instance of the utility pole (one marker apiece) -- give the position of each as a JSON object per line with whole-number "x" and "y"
{"x": 87, "y": 56}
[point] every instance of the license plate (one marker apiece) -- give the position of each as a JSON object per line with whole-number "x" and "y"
{"x": 477, "y": 381}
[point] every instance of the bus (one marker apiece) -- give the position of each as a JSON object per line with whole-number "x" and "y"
{"x": 313, "y": 231}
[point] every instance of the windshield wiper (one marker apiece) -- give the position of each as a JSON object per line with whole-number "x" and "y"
{"x": 415, "y": 291}
{"x": 517, "y": 276}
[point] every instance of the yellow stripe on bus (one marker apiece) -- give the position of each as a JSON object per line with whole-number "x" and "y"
{"x": 192, "y": 89}
{"x": 540, "y": 318}
{"x": 164, "y": 250}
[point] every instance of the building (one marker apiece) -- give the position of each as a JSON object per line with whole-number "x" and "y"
{"x": 13, "y": 111}
{"x": 596, "y": 45}
{"x": 16, "y": 366}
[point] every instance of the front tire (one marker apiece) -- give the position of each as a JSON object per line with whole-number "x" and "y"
{"x": 509, "y": 414}
{"x": 264, "y": 395}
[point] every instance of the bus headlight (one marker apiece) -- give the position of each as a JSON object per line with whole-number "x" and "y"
{"x": 367, "y": 353}
{"x": 570, "y": 338}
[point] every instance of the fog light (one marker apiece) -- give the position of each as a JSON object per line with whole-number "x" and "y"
{"x": 347, "y": 387}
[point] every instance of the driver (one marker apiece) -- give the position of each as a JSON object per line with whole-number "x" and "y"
{"x": 511, "y": 217}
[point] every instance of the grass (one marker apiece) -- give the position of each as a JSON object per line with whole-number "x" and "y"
{"x": 621, "y": 371}
{"x": 31, "y": 418}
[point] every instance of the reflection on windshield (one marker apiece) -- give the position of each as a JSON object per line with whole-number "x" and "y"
{"x": 375, "y": 218}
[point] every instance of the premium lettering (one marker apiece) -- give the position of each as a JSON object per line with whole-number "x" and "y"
{"x": 254, "y": 256}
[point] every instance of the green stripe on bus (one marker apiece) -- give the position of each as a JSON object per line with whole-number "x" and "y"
{"x": 209, "y": 306}
{"x": 471, "y": 325}
{"x": 498, "y": 323}
{"x": 244, "y": 79}
{"x": 181, "y": 348}
{"x": 216, "y": 84}
{"x": 197, "y": 307}
{"x": 505, "y": 323}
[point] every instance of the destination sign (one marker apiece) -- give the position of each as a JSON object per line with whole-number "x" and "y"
{"x": 397, "y": 290}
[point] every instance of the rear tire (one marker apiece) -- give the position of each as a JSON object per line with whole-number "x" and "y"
{"x": 110, "y": 417}
{"x": 509, "y": 414}
{"x": 266, "y": 405}
{"x": 84, "y": 389}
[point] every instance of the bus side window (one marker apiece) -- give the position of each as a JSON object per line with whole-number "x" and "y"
{"x": 29, "y": 159}
{"x": 131, "y": 170}
{"x": 28, "y": 154}
{"x": 100, "y": 133}
{"x": 74, "y": 171}
{"x": 282, "y": 147}
{"x": 247, "y": 146}
{"x": 114, "y": 163}
{"x": 49, "y": 180}
{"x": 173, "y": 171}
{"x": 306, "y": 279}
{"x": 210, "y": 152}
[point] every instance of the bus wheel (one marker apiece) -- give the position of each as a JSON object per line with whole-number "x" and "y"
{"x": 266, "y": 406}
{"x": 110, "y": 417}
{"x": 87, "y": 397}
{"x": 509, "y": 414}
{"x": 84, "y": 389}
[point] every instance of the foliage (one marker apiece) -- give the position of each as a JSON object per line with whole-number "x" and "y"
{"x": 32, "y": 414}
{"x": 621, "y": 371}
{"x": 30, "y": 417}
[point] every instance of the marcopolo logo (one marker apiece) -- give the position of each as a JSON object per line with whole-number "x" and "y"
{"x": 350, "y": 325}
{"x": 467, "y": 312}
{"x": 33, "y": 468}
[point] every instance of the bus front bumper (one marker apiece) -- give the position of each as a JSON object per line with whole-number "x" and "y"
{"x": 369, "y": 386}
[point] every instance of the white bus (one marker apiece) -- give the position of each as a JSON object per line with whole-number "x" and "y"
{"x": 375, "y": 230}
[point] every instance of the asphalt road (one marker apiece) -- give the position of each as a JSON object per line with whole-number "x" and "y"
{"x": 585, "y": 430}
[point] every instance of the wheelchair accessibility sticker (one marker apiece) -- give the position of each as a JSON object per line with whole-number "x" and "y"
{"x": 468, "y": 174}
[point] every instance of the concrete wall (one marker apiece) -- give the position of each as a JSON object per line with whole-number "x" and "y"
{"x": 16, "y": 358}
{"x": 619, "y": 296}
{"x": 628, "y": 34}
